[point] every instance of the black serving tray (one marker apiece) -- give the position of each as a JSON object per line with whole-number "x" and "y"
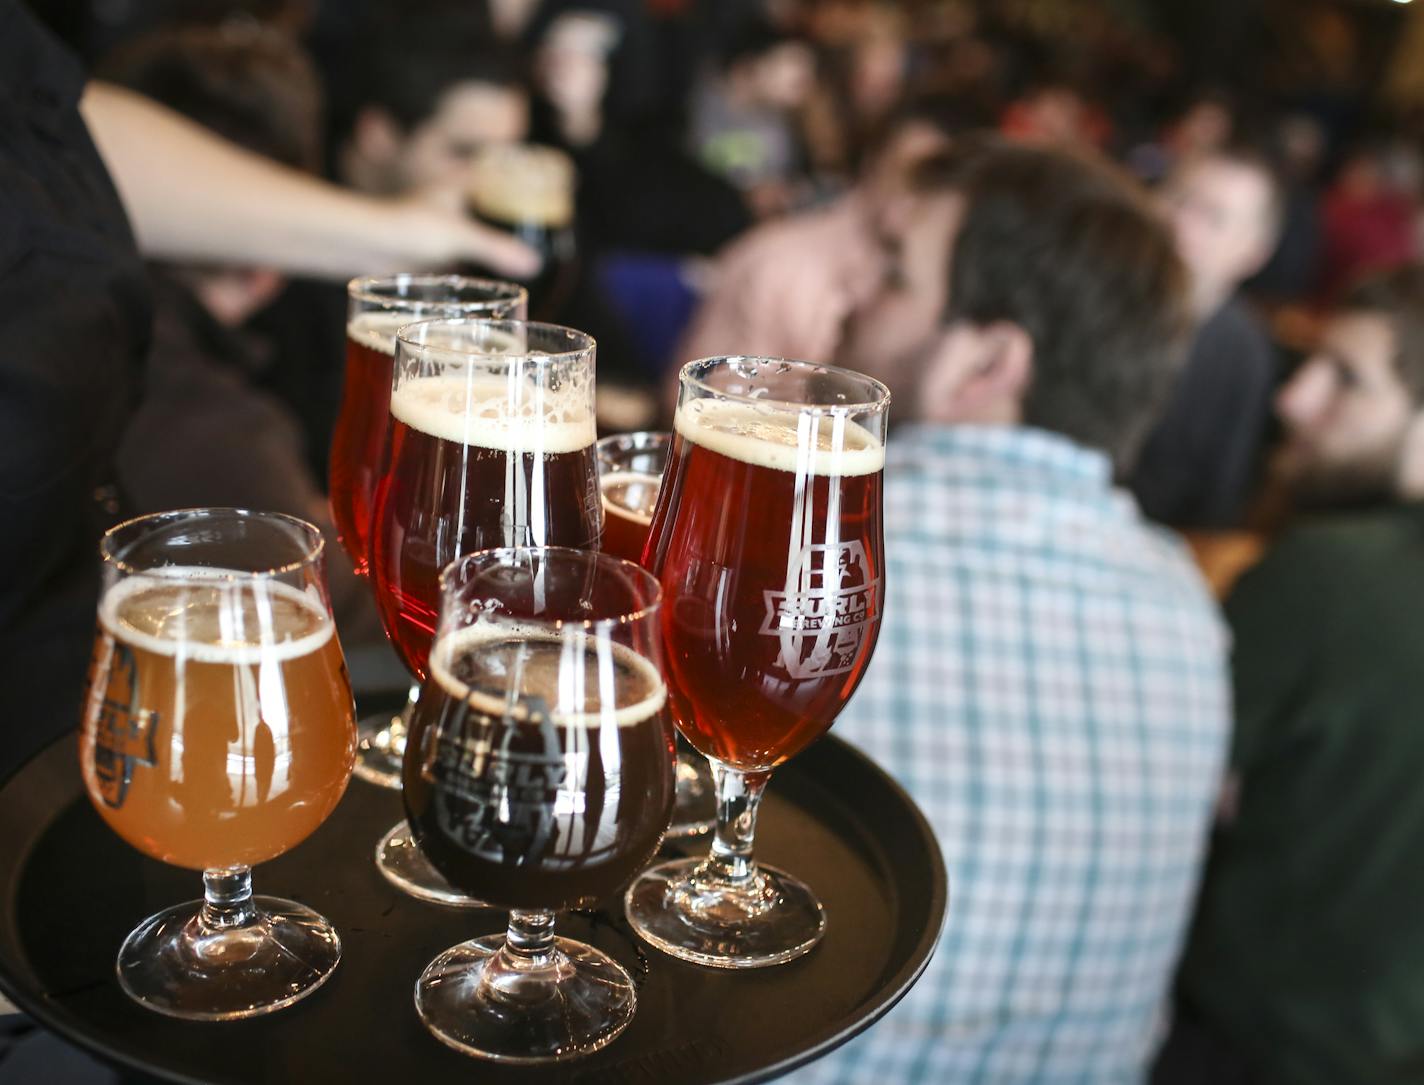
{"x": 71, "y": 890}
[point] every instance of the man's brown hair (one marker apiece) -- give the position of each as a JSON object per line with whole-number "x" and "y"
{"x": 1399, "y": 297}
{"x": 1069, "y": 250}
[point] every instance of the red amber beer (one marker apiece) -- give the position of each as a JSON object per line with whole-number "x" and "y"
{"x": 769, "y": 551}
{"x": 767, "y": 540}
{"x": 376, "y": 310}
{"x": 492, "y": 435}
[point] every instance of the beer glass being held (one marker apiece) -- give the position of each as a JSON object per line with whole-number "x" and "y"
{"x": 528, "y": 190}
{"x": 491, "y": 444}
{"x": 767, "y": 540}
{"x": 630, "y": 470}
{"x": 376, "y": 308}
{"x": 217, "y": 734}
{"x": 538, "y": 777}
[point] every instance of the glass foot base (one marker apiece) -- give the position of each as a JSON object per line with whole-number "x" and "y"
{"x": 679, "y": 909}
{"x": 174, "y": 966}
{"x": 380, "y": 747}
{"x": 473, "y": 1004}
{"x": 405, "y": 866}
{"x": 694, "y": 810}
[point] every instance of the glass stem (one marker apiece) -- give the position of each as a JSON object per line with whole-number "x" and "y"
{"x": 738, "y": 800}
{"x": 529, "y": 941}
{"x": 227, "y": 899}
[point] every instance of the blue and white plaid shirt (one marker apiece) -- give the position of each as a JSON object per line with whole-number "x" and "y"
{"x": 1050, "y": 685}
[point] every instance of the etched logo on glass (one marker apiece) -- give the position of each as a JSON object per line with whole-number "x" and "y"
{"x": 824, "y": 614}
{"x": 126, "y": 731}
{"x": 497, "y": 800}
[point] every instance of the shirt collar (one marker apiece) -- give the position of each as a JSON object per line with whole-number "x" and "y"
{"x": 1019, "y": 449}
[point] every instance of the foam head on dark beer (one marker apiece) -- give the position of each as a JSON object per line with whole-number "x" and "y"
{"x": 584, "y": 681}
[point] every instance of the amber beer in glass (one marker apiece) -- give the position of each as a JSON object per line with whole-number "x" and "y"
{"x": 217, "y": 734}
{"x": 630, "y": 469}
{"x": 492, "y": 435}
{"x": 538, "y": 777}
{"x": 376, "y": 310}
{"x": 767, "y": 539}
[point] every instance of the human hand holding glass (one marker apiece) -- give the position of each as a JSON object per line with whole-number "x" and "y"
{"x": 217, "y": 734}
{"x": 767, "y": 540}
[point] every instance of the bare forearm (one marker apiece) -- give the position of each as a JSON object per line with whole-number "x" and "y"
{"x": 195, "y": 197}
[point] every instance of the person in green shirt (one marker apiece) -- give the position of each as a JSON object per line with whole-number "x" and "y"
{"x": 1307, "y": 954}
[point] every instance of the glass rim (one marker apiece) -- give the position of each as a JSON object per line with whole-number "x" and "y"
{"x": 631, "y": 437}
{"x": 593, "y": 557}
{"x": 880, "y": 403}
{"x": 367, "y": 288}
{"x": 405, "y": 338}
{"x": 315, "y": 548}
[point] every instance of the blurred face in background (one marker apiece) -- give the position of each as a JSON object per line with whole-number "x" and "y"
{"x": 892, "y": 336}
{"x": 468, "y": 116}
{"x": 1220, "y": 211}
{"x": 782, "y": 78}
{"x": 433, "y": 156}
{"x": 1349, "y": 418}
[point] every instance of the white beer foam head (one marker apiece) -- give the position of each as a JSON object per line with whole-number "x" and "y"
{"x": 519, "y": 183}
{"x": 376, "y": 330}
{"x": 218, "y": 616}
{"x": 510, "y": 415}
{"x": 478, "y": 638}
{"x": 781, "y": 439}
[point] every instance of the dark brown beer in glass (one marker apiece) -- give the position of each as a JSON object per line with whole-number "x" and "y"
{"x": 577, "y": 796}
{"x": 539, "y": 776}
{"x": 376, "y": 309}
{"x": 492, "y": 434}
{"x": 528, "y": 191}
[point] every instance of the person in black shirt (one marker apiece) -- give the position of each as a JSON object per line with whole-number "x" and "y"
{"x": 77, "y": 311}
{"x": 1198, "y": 468}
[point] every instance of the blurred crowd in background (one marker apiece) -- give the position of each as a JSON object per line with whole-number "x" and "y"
{"x": 733, "y": 162}
{"x": 999, "y": 208}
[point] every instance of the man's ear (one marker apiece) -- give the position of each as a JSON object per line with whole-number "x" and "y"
{"x": 978, "y": 374}
{"x": 995, "y": 388}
